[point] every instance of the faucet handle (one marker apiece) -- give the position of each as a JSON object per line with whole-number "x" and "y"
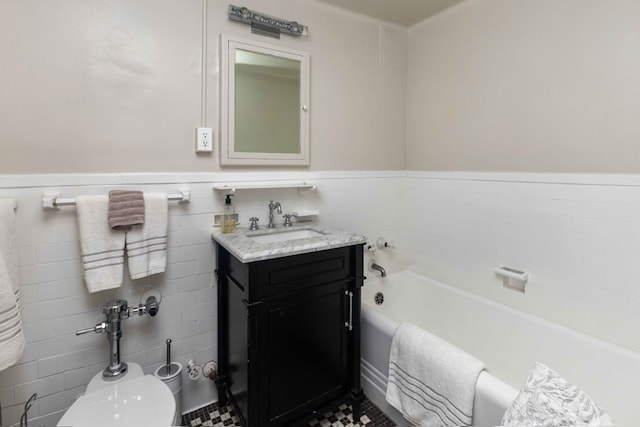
{"x": 383, "y": 244}
{"x": 254, "y": 223}
{"x": 287, "y": 220}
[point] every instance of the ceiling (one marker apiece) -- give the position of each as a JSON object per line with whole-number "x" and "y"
{"x": 401, "y": 12}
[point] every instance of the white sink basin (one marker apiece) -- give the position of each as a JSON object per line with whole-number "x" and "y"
{"x": 285, "y": 236}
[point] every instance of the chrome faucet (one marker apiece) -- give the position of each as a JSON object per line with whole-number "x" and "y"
{"x": 374, "y": 266}
{"x": 273, "y": 206}
{"x": 115, "y": 311}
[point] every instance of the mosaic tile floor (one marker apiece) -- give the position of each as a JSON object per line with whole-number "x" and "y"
{"x": 215, "y": 416}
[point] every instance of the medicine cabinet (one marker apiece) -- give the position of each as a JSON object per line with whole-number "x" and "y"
{"x": 264, "y": 104}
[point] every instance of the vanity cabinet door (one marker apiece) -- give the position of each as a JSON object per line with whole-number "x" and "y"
{"x": 305, "y": 351}
{"x": 289, "y": 334}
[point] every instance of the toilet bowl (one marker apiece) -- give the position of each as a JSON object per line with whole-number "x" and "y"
{"x": 134, "y": 400}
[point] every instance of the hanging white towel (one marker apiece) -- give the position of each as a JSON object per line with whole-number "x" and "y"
{"x": 431, "y": 382}
{"x": 147, "y": 243}
{"x": 12, "y": 340}
{"x": 101, "y": 247}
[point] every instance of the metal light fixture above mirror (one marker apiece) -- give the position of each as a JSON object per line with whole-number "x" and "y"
{"x": 266, "y": 25}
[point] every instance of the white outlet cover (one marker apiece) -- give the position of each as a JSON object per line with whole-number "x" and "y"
{"x": 204, "y": 140}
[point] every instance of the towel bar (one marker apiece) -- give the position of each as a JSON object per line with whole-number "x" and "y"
{"x": 54, "y": 201}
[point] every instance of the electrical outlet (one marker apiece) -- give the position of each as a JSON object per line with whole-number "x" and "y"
{"x": 204, "y": 140}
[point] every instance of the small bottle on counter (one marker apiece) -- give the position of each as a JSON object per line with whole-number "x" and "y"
{"x": 228, "y": 216}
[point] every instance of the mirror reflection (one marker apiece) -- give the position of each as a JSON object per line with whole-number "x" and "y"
{"x": 267, "y": 103}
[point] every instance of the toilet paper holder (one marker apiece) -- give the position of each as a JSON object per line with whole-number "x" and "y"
{"x": 512, "y": 278}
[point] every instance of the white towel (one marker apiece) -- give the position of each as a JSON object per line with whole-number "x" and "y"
{"x": 101, "y": 247}
{"x": 431, "y": 382}
{"x": 147, "y": 243}
{"x": 12, "y": 338}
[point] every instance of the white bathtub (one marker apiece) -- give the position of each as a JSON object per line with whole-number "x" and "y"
{"x": 507, "y": 340}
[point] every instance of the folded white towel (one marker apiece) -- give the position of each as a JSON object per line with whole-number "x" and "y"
{"x": 147, "y": 243}
{"x": 431, "y": 382}
{"x": 102, "y": 248}
{"x": 12, "y": 338}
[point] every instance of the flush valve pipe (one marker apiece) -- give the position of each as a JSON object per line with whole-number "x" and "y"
{"x": 115, "y": 311}
{"x": 150, "y": 307}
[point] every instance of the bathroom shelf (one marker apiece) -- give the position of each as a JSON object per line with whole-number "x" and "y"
{"x": 232, "y": 187}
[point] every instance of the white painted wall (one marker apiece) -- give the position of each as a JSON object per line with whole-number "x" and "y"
{"x": 519, "y": 85}
{"x": 116, "y": 86}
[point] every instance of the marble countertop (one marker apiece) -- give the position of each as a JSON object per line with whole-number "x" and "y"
{"x": 243, "y": 247}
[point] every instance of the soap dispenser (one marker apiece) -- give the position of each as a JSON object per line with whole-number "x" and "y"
{"x": 228, "y": 216}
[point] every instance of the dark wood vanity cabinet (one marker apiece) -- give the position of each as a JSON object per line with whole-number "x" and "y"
{"x": 289, "y": 333}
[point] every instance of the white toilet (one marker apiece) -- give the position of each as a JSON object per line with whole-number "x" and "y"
{"x": 134, "y": 400}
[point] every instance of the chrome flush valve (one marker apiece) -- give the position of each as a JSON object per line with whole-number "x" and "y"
{"x": 115, "y": 311}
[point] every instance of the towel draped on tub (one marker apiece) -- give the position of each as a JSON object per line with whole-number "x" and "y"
{"x": 431, "y": 382}
{"x": 12, "y": 340}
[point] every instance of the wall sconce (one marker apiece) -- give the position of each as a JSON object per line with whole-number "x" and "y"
{"x": 266, "y": 25}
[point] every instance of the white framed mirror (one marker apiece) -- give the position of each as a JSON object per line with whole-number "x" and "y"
{"x": 264, "y": 114}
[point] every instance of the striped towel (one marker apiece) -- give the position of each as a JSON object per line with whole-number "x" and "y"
{"x": 102, "y": 248}
{"x": 147, "y": 244}
{"x": 126, "y": 208}
{"x": 431, "y": 382}
{"x": 12, "y": 340}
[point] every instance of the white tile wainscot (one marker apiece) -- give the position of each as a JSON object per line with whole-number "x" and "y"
{"x": 576, "y": 234}
{"x": 57, "y": 364}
